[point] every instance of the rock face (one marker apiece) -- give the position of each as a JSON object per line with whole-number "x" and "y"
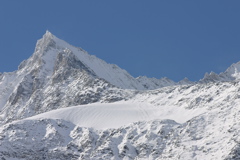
{"x": 197, "y": 120}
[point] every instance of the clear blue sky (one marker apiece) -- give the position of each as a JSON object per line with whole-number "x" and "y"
{"x": 157, "y": 38}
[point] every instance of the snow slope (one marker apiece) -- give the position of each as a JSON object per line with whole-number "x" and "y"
{"x": 118, "y": 114}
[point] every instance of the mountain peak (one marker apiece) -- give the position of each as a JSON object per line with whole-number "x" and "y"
{"x": 49, "y": 48}
{"x": 47, "y": 41}
{"x": 48, "y": 33}
{"x": 48, "y": 36}
{"x": 234, "y": 69}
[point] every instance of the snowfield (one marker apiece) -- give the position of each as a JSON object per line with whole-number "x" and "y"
{"x": 115, "y": 115}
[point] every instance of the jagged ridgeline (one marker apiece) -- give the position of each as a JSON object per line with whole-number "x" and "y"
{"x": 63, "y": 103}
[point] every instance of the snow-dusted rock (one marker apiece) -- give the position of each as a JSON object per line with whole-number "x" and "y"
{"x": 63, "y": 103}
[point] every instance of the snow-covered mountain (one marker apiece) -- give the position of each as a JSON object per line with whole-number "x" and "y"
{"x": 63, "y": 103}
{"x": 60, "y": 75}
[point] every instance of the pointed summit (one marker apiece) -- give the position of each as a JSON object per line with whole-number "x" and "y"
{"x": 47, "y": 41}
{"x": 234, "y": 70}
{"x": 48, "y": 34}
{"x": 185, "y": 81}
